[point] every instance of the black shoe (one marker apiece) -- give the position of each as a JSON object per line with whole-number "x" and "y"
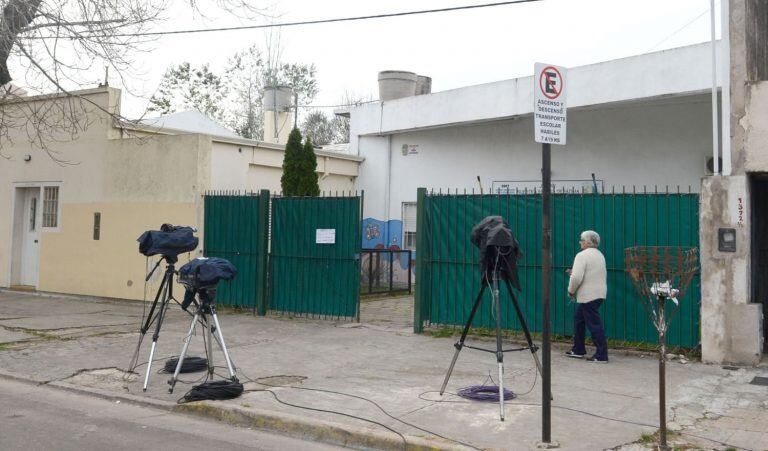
{"x": 574, "y": 355}
{"x": 595, "y": 360}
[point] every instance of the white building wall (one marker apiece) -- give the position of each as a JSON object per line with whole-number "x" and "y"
{"x": 622, "y": 145}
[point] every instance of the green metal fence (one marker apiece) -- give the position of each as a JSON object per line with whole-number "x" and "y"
{"x": 448, "y": 276}
{"x": 236, "y": 229}
{"x": 310, "y": 272}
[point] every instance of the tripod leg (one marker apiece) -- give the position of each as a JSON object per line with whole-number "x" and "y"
{"x": 524, "y": 325}
{"x": 145, "y": 327}
{"x": 499, "y": 352}
{"x": 460, "y": 343}
{"x": 209, "y": 343}
{"x": 230, "y": 367}
{"x": 160, "y": 316}
{"x": 172, "y": 381}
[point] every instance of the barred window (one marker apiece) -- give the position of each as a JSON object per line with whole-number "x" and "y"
{"x": 51, "y": 206}
{"x": 409, "y": 225}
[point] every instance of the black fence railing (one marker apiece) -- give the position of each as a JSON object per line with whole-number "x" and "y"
{"x": 386, "y": 271}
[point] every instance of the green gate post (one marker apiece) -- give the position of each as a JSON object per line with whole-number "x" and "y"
{"x": 421, "y": 241}
{"x": 261, "y": 259}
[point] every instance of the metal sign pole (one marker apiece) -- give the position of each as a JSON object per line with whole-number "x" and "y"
{"x": 550, "y": 116}
{"x": 546, "y": 266}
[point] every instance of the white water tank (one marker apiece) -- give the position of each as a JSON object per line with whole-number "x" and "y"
{"x": 278, "y": 98}
{"x": 395, "y": 84}
{"x": 423, "y": 85}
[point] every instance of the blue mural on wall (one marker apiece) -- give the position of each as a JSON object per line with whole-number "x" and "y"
{"x": 378, "y": 234}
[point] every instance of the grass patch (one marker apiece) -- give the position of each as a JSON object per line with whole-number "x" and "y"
{"x": 442, "y": 332}
{"x": 4, "y": 347}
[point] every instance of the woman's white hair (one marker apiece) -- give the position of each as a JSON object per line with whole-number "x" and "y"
{"x": 591, "y": 238}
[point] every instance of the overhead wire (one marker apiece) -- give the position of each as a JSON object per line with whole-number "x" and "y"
{"x": 317, "y": 21}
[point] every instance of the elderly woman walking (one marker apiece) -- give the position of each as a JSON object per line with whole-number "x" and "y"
{"x": 588, "y": 284}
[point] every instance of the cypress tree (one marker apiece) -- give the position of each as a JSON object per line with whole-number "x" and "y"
{"x": 290, "y": 181}
{"x": 309, "y": 184}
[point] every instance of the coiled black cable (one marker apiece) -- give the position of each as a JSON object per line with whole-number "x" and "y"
{"x": 190, "y": 365}
{"x": 213, "y": 390}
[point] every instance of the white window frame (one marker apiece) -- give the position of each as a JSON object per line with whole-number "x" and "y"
{"x": 43, "y": 211}
{"x": 408, "y": 231}
{"x": 41, "y": 202}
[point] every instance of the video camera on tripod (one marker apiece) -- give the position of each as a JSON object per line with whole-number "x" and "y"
{"x": 499, "y": 253}
{"x": 200, "y": 278}
{"x": 168, "y": 242}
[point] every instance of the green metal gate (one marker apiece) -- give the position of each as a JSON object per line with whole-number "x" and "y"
{"x": 447, "y": 272}
{"x": 310, "y": 272}
{"x": 236, "y": 229}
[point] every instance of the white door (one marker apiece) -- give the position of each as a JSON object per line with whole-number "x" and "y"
{"x": 30, "y": 236}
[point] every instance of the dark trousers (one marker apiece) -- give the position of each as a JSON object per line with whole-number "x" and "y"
{"x": 587, "y": 314}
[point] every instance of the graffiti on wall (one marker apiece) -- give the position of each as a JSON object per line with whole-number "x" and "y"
{"x": 379, "y": 234}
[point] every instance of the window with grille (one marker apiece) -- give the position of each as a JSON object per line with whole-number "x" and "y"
{"x": 51, "y": 206}
{"x": 409, "y": 225}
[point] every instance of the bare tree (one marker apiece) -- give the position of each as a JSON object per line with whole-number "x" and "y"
{"x": 54, "y": 46}
{"x": 186, "y": 87}
{"x": 334, "y": 129}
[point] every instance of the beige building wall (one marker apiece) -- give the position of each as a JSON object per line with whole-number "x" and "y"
{"x": 135, "y": 178}
{"x": 253, "y": 166}
{"x": 136, "y": 184}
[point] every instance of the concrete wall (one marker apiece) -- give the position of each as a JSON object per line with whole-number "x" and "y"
{"x": 662, "y": 143}
{"x": 731, "y": 319}
{"x": 730, "y": 324}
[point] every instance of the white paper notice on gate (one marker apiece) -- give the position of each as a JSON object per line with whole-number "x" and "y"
{"x": 550, "y": 113}
{"x": 325, "y": 236}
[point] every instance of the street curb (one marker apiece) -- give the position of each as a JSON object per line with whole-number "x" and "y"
{"x": 312, "y": 429}
{"x": 269, "y": 421}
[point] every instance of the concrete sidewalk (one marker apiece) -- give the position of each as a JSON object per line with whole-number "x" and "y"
{"x": 87, "y": 344}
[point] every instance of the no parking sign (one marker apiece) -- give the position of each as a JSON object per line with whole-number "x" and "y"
{"x": 549, "y": 109}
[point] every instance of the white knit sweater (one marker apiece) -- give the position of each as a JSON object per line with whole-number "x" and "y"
{"x": 588, "y": 276}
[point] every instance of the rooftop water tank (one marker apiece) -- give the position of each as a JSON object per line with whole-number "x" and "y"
{"x": 278, "y": 98}
{"x": 395, "y": 84}
{"x": 423, "y": 85}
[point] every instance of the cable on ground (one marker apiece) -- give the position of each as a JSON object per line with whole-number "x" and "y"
{"x": 190, "y": 365}
{"x": 213, "y": 390}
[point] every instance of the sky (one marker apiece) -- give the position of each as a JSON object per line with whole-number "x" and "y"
{"x": 456, "y": 49}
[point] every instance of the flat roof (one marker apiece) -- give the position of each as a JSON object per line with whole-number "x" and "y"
{"x": 682, "y": 71}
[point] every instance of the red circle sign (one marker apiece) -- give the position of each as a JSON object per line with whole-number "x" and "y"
{"x": 551, "y": 82}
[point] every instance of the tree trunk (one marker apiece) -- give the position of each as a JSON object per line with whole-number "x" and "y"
{"x": 17, "y": 15}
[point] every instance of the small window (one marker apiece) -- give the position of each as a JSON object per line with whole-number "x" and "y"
{"x": 97, "y": 226}
{"x": 51, "y": 206}
{"x": 33, "y": 214}
{"x": 409, "y": 225}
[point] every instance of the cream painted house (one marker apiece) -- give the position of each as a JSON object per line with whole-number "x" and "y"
{"x": 71, "y": 227}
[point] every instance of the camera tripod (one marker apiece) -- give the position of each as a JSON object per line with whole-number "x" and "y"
{"x": 157, "y": 312}
{"x": 499, "y": 351}
{"x": 206, "y": 311}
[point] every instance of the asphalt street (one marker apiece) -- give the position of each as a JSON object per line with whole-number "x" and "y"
{"x": 44, "y": 418}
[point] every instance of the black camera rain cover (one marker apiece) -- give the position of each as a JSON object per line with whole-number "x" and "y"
{"x": 170, "y": 242}
{"x": 498, "y": 249}
{"x": 203, "y": 272}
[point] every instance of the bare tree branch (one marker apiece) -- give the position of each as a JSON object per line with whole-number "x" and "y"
{"x": 58, "y": 46}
